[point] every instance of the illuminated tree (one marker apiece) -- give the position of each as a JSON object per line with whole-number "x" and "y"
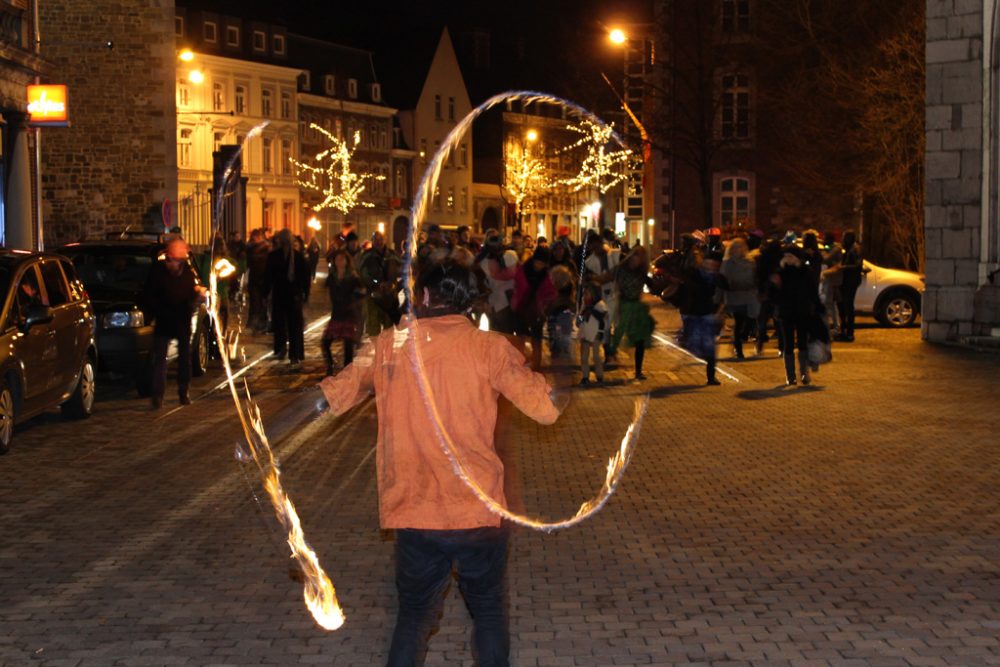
{"x": 331, "y": 176}
{"x": 525, "y": 177}
{"x": 603, "y": 166}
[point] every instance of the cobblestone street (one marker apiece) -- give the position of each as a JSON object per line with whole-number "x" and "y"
{"x": 853, "y": 522}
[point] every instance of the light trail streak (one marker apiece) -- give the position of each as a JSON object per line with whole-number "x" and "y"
{"x": 618, "y": 462}
{"x": 671, "y": 344}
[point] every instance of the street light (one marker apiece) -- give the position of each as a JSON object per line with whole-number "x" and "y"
{"x": 531, "y": 136}
{"x": 617, "y": 36}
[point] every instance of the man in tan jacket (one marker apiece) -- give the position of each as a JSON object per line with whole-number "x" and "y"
{"x": 438, "y": 520}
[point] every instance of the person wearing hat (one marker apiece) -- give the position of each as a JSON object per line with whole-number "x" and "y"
{"x": 493, "y": 261}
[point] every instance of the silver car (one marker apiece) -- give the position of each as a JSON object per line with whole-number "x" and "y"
{"x": 893, "y": 296}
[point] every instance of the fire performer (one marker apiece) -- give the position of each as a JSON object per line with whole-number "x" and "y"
{"x": 439, "y": 522}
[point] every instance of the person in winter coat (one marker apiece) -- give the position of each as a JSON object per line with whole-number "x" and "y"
{"x": 171, "y": 295}
{"x": 533, "y": 292}
{"x": 852, "y": 270}
{"x": 634, "y": 324}
{"x": 592, "y": 330}
{"x": 796, "y": 294}
{"x": 439, "y": 523}
{"x": 288, "y": 275}
{"x": 499, "y": 267}
{"x": 601, "y": 260}
{"x": 346, "y": 292}
{"x": 702, "y": 323}
{"x": 739, "y": 292}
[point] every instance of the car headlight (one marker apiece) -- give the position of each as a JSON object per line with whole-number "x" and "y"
{"x": 123, "y": 320}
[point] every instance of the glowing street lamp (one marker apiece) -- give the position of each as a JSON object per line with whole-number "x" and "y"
{"x": 531, "y": 136}
{"x": 187, "y": 55}
{"x": 196, "y": 77}
{"x": 314, "y": 224}
{"x": 617, "y": 36}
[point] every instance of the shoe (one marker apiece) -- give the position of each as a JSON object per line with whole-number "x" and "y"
{"x": 295, "y": 365}
{"x": 584, "y": 382}
{"x": 280, "y": 357}
{"x": 185, "y": 398}
{"x": 790, "y": 383}
{"x": 713, "y": 383}
{"x": 758, "y": 348}
{"x": 600, "y": 382}
{"x": 156, "y": 402}
{"x": 805, "y": 379}
{"x": 814, "y": 368}
{"x": 640, "y": 376}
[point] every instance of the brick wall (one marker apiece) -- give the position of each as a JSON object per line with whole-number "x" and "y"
{"x": 118, "y": 159}
{"x": 954, "y": 127}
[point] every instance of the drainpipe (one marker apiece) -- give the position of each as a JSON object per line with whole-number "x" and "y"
{"x": 39, "y": 241}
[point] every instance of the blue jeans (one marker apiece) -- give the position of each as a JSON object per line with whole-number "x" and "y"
{"x": 424, "y": 560}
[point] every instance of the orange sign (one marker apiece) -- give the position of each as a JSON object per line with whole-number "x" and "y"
{"x": 47, "y": 105}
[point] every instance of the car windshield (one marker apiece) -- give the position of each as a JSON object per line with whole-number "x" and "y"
{"x": 114, "y": 272}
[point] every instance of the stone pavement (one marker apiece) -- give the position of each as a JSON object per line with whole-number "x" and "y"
{"x": 855, "y": 522}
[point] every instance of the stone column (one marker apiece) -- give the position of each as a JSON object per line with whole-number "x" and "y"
{"x": 17, "y": 215}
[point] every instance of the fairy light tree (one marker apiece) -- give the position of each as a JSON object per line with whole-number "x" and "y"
{"x": 525, "y": 177}
{"x": 332, "y": 177}
{"x": 602, "y": 166}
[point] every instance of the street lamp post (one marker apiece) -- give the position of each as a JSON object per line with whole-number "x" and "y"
{"x": 262, "y": 191}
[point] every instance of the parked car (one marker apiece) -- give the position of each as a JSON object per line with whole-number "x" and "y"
{"x": 114, "y": 273}
{"x": 893, "y": 296}
{"x": 48, "y": 354}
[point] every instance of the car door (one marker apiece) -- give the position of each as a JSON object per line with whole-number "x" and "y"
{"x": 65, "y": 324}
{"x": 35, "y": 349}
{"x": 864, "y": 300}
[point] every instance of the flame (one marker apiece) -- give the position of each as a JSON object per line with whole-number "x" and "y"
{"x": 224, "y": 268}
{"x": 318, "y": 591}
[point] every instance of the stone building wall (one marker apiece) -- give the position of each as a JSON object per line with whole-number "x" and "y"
{"x": 956, "y": 91}
{"x": 118, "y": 160}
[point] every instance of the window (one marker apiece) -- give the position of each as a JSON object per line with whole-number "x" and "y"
{"x": 338, "y": 126}
{"x": 372, "y": 136}
{"x": 286, "y": 104}
{"x": 329, "y": 84}
{"x": 287, "y": 214}
{"x": 24, "y": 301}
{"x": 463, "y": 203}
{"x": 306, "y": 81}
{"x": 400, "y": 184}
{"x": 217, "y": 139}
{"x": 240, "y": 99}
{"x": 266, "y": 164}
{"x": 184, "y": 147}
{"x": 423, "y": 151}
{"x": 232, "y": 35}
{"x": 183, "y": 94}
{"x": 735, "y": 16}
{"x": 259, "y": 40}
{"x": 376, "y": 91}
{"x": 352, "y": 88}
{"x": 437, "y": 107}
{"x": 451, "y": 108}
{"x": 734, "y": 201}
{"x": 265, "y": 102}
{"x": 179, "y": 26}
{"x": 278, "y": 45}
{"x": 286, "y": 156}
{"x": 735, "y": 106}
{"x": 218, "y": 96}
{"x": 383, "y": 139}
{"x": 209, "y": 31}
{"x": 451, "y": 198}
{"x": 55, "y": 283}
{"x": 465, "y": 156}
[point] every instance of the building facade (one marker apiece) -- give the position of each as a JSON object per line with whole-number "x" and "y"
{"x": 442, "y": 102}
{"x": 20, "y": 65}
{"x": 235, "y": 87}
{"x": 962, "y": 209}
{"x": 115, "y": 166}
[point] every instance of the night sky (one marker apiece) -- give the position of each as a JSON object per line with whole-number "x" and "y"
{"x": 559, "y": 46}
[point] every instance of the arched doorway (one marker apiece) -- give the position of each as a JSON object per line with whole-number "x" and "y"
{"x": 490, "y": 219}
{"x": 400, "y": 228}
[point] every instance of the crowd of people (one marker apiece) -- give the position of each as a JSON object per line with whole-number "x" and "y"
{"x": 583, "y": 301}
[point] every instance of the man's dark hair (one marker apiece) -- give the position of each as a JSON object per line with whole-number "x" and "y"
{"x": 451, "y": 286}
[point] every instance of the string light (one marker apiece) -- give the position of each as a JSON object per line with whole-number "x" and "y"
{"x": 332, "y": 177}
{"x": 525, "y": 176}
{"x": 601, "y": 168}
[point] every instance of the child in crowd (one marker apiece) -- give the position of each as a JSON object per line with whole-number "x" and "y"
{"x": 346, "y": 293}
{"x": 592, "y": 331}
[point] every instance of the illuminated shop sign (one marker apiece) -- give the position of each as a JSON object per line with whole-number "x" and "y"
{"x": 47, "y": 106}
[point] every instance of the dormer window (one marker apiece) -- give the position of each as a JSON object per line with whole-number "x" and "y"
{"x": 376, "y": 91}
{"x": 232, "y": 35}
{"x": 352, "y": 88}
{"x": 329, "y": 85}
{"x": 306, "y": 81}
{"x": 209, "y": 32}
{"x": 278, "y": 45}
{"x": 259, "y": 40}
{"x": 179, "y": 26}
